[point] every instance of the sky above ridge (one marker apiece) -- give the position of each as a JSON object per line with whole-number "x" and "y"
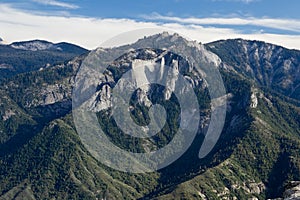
{"x": 90, "y": 22}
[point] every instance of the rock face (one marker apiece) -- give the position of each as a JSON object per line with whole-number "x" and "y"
{"x": 254, "y": 100}
{"x": 8, "y": 114}
{"x": 144, "y": 63}
{"x": 292, "y": 191}
{"x": 142, "y": 73}
{"x": 51, "y": 94}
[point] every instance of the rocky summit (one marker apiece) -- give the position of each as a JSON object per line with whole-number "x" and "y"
{"x": 256, "y": 156}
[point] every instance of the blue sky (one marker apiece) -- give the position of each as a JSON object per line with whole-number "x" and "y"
{"x": 276, "y": 21}
{"x": 180, "y": 8}
{"x": 192, "y": 8}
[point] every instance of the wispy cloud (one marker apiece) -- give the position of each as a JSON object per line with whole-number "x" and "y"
{"x": 281, "y": 24}
{"x": 57, "y": 3}
{"x": 16, "y": 25}
{"x": 243, "y": 1}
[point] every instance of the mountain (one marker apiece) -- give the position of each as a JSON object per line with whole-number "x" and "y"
{"x": 38, "y": 45}
{"x": 256, "y": 157}
{"x": 21, "y": 57}
{"x": 268, "y": 65}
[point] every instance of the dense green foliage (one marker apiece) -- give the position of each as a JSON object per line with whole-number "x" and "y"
{"x": 42, "y": 157}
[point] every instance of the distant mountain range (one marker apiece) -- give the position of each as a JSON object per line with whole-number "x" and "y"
{"x": 20, "y": 57}
{"x": 39, "y": 45}
{"x": 256, "y": 157}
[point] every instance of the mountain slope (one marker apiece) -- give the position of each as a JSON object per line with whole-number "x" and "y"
{"x": 260, "y": 139}
{"x": 271, "y": 66}
{"x": 264, "y": 159}
{"x": 54, "y": 164}
{"x": 48, "y": 160}
{"x": 20, "y": 57}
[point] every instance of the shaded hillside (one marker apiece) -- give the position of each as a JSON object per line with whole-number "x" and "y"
{"x": 42, "y": 156}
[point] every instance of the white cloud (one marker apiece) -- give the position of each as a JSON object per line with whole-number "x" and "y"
{"x": 282, "y": 24}
{"x": 56, "y": 3}
{"x": 17, "y": 25}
